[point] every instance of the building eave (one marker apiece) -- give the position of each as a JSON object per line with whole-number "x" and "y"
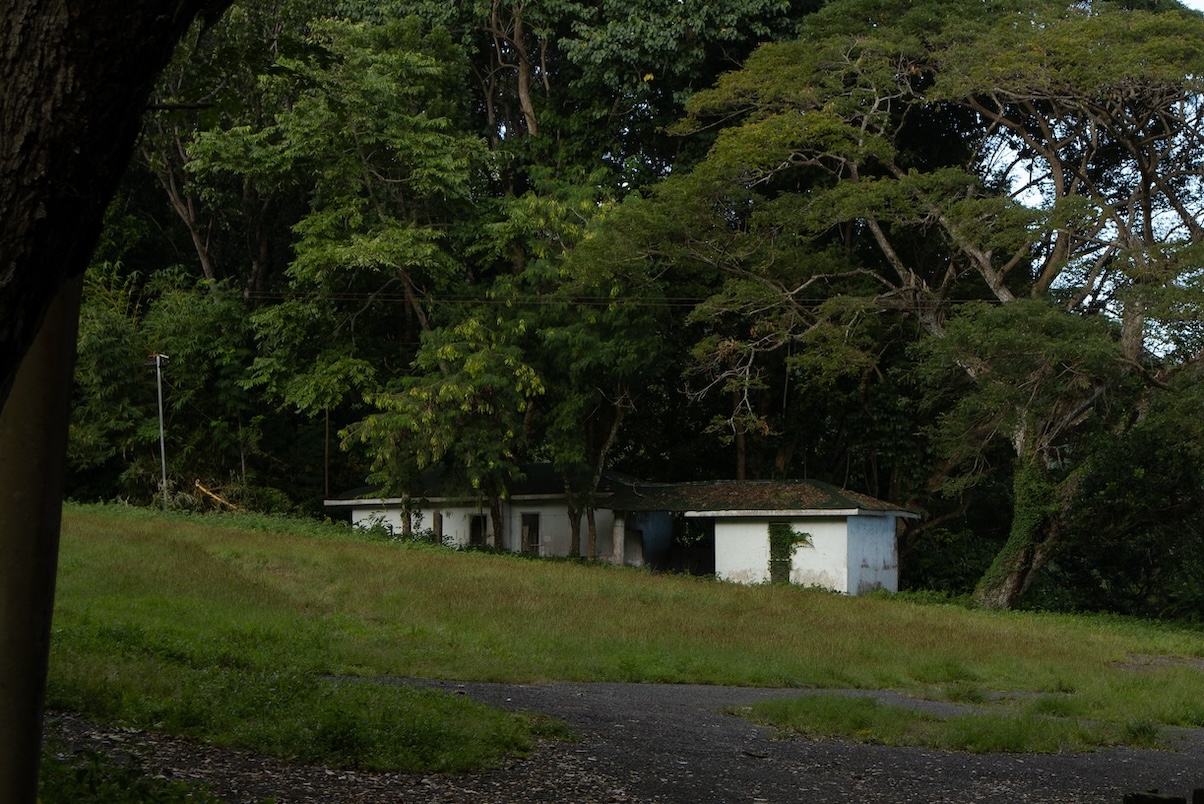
{"x": 432, "y": 502}
{"x": 367, "y": 502}
{"x": 774, "y": 513}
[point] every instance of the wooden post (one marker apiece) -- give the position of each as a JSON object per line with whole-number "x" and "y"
{"x": 33, "y": 456}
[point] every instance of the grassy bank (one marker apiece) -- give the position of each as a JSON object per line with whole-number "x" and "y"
{"x": 229, "y": 631}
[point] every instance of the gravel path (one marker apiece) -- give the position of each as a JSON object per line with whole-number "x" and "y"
{"x": 672, "y": 744}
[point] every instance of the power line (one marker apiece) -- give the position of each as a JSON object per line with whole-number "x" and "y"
{"x": 678, "y": 302}
{"x": 539, "y": 301}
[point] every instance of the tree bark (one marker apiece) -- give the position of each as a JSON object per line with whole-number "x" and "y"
{"x": 33, "y": 454}
{"x": 76, "y": 78}
{"x": 499, "y": 524}
{"x": 524, "y": 76}
{"x": 574, "y": 512}
{"x": 507, "y": 27}
{"x": 77, "y": 74}
{"x": 591, "y": 530}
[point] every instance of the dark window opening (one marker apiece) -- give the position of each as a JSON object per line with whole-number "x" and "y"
{"x": 477, "y": 530}
{"x": 530, "y": 533}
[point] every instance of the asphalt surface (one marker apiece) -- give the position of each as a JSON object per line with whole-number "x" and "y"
{"x": 676, "y": 744}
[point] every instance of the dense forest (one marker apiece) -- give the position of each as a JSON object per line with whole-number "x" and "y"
{"x": 948, "y": 254}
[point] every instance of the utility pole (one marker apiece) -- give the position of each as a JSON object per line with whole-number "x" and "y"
{"x": 157, "y": 360}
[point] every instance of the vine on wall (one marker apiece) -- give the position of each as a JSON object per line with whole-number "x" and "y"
{"x": 782, "y": 539}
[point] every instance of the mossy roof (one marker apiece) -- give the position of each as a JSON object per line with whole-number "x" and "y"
{"x": 622, "y": 493}
{"x": 746, "y": 497}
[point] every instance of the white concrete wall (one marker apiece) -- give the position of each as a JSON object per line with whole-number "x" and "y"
{"x": 742, "y": 550}
{"x": 456, "y": 520}
{"x": 873, "y": 554}
{"x": 555, "y": 530}
{"x": 457, "y": 523}
{"x": 852, "y": 555}
{"x": 370, "y": 517}
{"x": 852, "y": 558}
{"x": 824, "y": 562}
{"x": 555, "y": 533}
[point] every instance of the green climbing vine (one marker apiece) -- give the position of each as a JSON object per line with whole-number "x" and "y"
{"x": 782, "y": 539}
{"x": 1035, "y": 501}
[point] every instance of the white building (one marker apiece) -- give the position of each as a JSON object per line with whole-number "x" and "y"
{"x": 535, "y": 517}
{"x": 825, "y": 536}
{"x": 835, "y": 539}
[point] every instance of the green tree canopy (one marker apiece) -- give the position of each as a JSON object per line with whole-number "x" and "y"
{"x": 942, "y": 155}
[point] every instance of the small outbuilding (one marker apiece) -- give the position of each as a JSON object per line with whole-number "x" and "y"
{"x": 796, "y": 531}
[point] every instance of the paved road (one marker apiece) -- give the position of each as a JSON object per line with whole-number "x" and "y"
{"x": 670, "y": 744}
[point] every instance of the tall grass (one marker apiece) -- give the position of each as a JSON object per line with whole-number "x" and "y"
{"x": 157, "y": 615}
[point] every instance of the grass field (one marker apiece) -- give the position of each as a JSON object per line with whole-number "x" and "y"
{"x": 230, "y": 629}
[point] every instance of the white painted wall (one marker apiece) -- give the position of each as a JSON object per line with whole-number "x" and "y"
{"x": 457, "y": 522}
{"x": 555, "y": 533}
{"x": 742, "y": 550}
{"x": 873, "y": 554}
{"x": 555, "y": 529}
{"x": 825, "y": 561}
{"x": 851, "y": 555}
{"x": 369, "y": 517}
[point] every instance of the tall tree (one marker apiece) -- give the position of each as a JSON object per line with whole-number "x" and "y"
{"x": 369, "y": 128}
{"x": 401, "y": 209}
{"x": 566, "y": 84}
{"x": 1110, "y": 144}
{"x": 466, "y": 408}
{"x": 234, "y": 222}
{"x": 77, "y": 76}
{"x": 1069, "y": 184}
{"x": 570, "y": 99}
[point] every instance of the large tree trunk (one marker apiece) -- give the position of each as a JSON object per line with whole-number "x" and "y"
{"x": 499, "y": 524}
{"x": 77, "y": 74}
{"x": 591, "y": 530}
{"x": 1030, "y": 540}
{"x": 76, "y": 78}
{"x": 574, "y": 512}
{"x": 33, "y": 451}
